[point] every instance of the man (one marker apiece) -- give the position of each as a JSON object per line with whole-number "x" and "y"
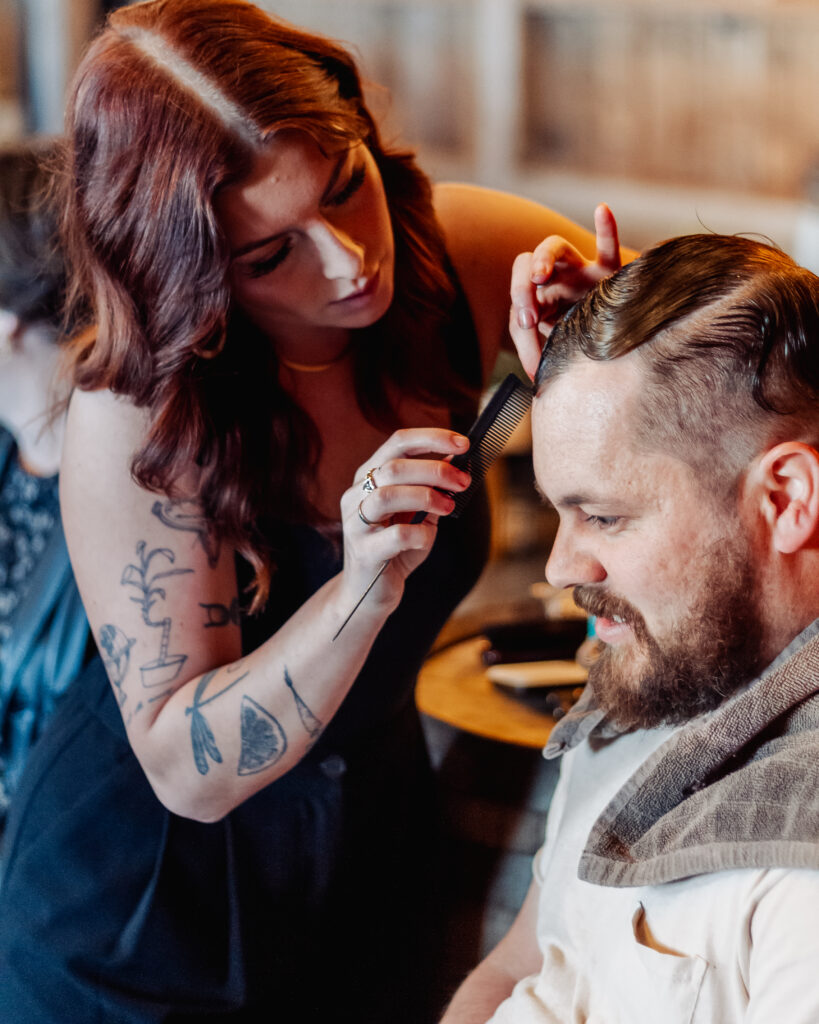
{"x": 676, "y": 432}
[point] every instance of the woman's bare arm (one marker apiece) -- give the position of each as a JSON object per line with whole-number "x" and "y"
{"x": 209, "y": 726}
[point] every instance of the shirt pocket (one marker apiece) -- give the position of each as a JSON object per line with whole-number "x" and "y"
{"x": 657, "y": 982}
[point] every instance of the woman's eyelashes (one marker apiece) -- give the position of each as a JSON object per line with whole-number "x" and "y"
{"x": 354, "y": 183}
{"x": 266, "y": 265}
{"x": 269, "y": 263}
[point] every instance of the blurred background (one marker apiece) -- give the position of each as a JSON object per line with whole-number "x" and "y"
{"x": 681, "y": 115}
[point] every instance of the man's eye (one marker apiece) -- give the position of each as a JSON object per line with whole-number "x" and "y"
{"x": 354, "y": 183}
{"x": 264, "y": 266}
{"x": 602, "y": 521}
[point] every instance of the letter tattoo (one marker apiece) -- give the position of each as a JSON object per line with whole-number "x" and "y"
{"x": 222, "y": 614}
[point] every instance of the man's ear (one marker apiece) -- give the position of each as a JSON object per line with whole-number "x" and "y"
{"x": 789, "y": 476}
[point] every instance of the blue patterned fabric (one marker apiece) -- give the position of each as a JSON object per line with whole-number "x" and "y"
{"x": 29, "y": 508}
{"x": 43, "y": 629}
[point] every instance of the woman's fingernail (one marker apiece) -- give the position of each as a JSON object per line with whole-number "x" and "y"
{"x": 526, "y": 319}
{"x": 460, "y": 441}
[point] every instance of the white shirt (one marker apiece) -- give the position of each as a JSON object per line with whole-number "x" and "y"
{"x": 739, "y": 945}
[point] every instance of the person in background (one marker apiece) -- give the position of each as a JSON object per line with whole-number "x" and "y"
{"x": 676, "y": 432}
{"x": 291, "y": 328}
{"x": 44, "y": 632}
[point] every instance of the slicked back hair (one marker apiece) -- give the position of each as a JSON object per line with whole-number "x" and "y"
{"x": 727, "y": 332}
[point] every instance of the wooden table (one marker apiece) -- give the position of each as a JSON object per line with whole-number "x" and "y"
{"x": 453, "y": 687}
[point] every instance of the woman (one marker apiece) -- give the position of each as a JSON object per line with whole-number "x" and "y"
{"x": 43, "y": 629}
{"x": 242, "y": 818}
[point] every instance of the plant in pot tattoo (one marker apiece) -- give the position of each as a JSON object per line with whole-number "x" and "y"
{"x": 166, "y": 667}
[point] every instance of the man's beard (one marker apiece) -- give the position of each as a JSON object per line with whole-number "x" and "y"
{"x": 713, "y": 652}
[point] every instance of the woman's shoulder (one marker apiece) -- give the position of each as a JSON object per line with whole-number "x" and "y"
{"x": 484, "y": 230}
{"x": 103, "y": 432}
{"x": 104, "y": 419}
{"x": 475, "y": 207}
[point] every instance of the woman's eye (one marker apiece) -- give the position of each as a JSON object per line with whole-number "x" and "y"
{"x": 264, "y": 266}
{"x": 354, "y": 183}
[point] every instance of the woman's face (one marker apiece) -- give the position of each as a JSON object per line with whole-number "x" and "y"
{"x": 311, "y": 242}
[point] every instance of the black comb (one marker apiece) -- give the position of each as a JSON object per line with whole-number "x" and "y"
{"x": 489, "y": 433}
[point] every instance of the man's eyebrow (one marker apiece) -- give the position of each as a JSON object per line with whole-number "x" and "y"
{"x": 243, "y": 250}
{"x": 574, "y": 500}
{"x": 568, "y": 500}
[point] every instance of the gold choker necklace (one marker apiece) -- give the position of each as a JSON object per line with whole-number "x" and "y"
{"x": 314, "y": 367}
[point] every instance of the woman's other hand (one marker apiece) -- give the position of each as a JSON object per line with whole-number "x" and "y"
{"x": 546, "y": 282}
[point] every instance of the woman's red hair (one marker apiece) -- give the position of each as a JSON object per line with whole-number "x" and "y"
{"x": 169, "y": 104}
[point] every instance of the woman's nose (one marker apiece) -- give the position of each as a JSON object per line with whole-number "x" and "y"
{"x": 569, "y": 565}
{"x": 341, "y": 256}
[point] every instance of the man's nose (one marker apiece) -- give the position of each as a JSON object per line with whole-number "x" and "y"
{"x": 570, "y": 565}
{"x": 341, "y": 256}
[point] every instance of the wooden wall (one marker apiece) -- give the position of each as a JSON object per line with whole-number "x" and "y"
{"x": 697, "y": 112}
{"x": 686, "y": 94}
{"x": 676, "y": 113}
{"x": 11, "y": 110}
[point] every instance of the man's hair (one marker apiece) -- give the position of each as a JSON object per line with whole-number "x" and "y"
{"x": 727, "y": 330}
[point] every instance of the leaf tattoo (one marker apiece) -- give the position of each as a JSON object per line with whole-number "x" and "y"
{"x": 311, "y": 724}
{"x": 115, "y": 650}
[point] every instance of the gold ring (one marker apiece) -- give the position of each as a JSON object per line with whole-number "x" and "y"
{"x": 362, "y": 517}
{"x": 369, "y": 484}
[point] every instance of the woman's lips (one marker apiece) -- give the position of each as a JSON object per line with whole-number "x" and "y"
{"x": 362, "y": 294}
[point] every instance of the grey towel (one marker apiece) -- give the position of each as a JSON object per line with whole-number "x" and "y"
{"x": 736, "y": 788}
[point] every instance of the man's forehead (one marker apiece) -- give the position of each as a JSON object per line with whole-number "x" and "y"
{"x": 583, "y": 432}
{"x": 595, "y": 393}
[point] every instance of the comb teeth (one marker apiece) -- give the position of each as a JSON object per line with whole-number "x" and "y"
{"x": 489, "y": 433}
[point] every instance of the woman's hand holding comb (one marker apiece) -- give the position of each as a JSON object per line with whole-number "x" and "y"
{"x": 408, "y": 474}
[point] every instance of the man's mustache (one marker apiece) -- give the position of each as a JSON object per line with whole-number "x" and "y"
{"x": 602, "y": 604}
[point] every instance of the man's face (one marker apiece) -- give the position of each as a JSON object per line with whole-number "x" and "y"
{"x": 668, "y": 571}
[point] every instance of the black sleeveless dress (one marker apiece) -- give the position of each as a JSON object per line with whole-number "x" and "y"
{"x": 312, "y": 901}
